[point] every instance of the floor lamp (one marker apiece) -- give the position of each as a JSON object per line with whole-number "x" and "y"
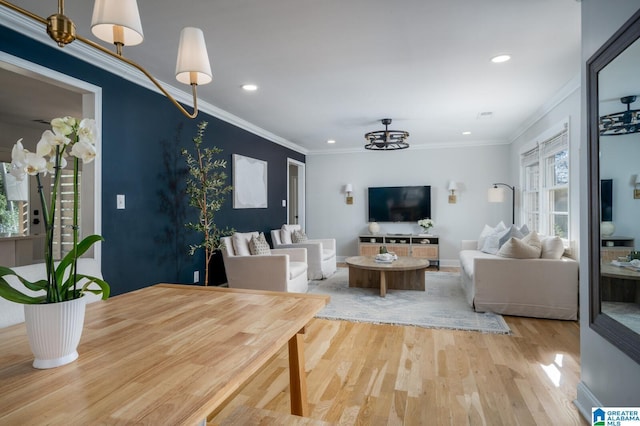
{"x": 496, "y": 195}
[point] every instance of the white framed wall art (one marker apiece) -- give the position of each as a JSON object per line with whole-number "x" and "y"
{"x": 249, "y": 183}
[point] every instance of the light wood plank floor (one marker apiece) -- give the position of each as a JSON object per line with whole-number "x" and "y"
{"x": 366, "y": 374}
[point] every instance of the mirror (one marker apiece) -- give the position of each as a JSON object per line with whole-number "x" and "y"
{"x": 613, "y": 85}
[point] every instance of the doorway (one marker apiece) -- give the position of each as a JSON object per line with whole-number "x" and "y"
{"x": 295, "y": 192}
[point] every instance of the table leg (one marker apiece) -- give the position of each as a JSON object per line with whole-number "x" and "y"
{"x": 297, "y": 376}
{"x": 383, "y": 283}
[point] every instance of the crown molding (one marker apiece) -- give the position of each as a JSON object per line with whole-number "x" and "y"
{"x": 35, "y": 31}
{"x": 563, "y": 93}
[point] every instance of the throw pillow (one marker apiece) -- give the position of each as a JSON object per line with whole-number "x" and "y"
{"x": 487, "y": 231}
{"x": 259, "y": 246}
{"x": 552, "y": 248}
{"x": 286, "y": 231}
{"x": 496, "y": 240}
{"x": 524, "y": 229}
{"x": 299, "y": 236}
{"x": 533, "y": 240}
{"x": 516, "y": 248}
{"x": 240, "y": 242}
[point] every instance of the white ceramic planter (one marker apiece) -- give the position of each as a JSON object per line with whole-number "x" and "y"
{"x": 54, "y": 331}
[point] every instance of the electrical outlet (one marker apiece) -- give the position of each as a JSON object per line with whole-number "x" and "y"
{"x": 120, "y": 201}
{"x": 196, "y": 276}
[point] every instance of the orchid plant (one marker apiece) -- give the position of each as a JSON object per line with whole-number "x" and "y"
{"x": 69, "y": 137}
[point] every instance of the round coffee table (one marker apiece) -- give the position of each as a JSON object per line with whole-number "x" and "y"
{"x": 405, "y": 273}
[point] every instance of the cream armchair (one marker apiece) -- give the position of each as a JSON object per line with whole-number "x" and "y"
{"x": 321, "y": 253}
{"x": 282, "y": 270}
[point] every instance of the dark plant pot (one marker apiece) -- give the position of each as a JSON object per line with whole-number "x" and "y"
{"x": 217, "y": 273}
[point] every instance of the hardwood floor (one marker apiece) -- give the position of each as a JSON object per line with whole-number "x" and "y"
{"x": 367, "y": 374}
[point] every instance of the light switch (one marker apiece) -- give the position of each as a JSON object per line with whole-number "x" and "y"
{"x": 284, "y": 203}
{"x": 120, "y": 201}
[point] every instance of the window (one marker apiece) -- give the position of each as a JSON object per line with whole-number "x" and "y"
{"x": 14, "y": 206}
{"x": 545, "y": 182}
{"x": 63, "y": 223}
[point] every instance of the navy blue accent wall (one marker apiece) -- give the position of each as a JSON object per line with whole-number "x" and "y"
{"x": 142, "y": 135}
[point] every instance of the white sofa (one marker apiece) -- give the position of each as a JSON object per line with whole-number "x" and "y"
{"x": 13, "y": 313}
{"x": 321, "y": 253}
{"x": 282, "y": 270}
{"x": 540, "y": 288}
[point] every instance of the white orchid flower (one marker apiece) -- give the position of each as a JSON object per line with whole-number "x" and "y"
{"x": 83, "y": 150}
{"x": 18, "y": 152}
{"x": 62, "y": 126}
{"x": 17, "y": 171}
{"x": 87, "y": 131}
{"x": 52, "y": 163}
{"x": 48, "y": 142}
{"x": 35, "y": 164}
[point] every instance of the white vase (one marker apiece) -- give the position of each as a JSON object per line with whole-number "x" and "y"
{"x": 374, "y": 228}
{"x": 607, "y": 228}
{"x": 54, "y": 331}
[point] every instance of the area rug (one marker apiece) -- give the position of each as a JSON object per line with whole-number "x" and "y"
{"x": 441, "y": 305}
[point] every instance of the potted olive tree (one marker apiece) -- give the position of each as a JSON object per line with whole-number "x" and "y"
{"x": 207, "y": 189}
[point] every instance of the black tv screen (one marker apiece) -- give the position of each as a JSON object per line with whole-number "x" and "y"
{"x": 399, "y": 203}
{"x": 606, "y": 200}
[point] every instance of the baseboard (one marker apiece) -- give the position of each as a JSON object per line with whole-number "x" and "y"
{"x": 585, "y": 400}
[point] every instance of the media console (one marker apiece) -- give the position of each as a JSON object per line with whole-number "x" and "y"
{"x": 411, "y": 245}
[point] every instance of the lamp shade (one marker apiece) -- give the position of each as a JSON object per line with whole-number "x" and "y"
{"x": 453, "y": 186}
{"x": 193, "y": 65}
{"x": 123, "y": 13}
{"x": 638, "y": 179}
{"x": 495, "y": 195}
{"x": 348, "y": 188}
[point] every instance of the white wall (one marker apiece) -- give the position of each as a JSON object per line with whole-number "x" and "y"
{"x": 619, "y": 160}
{"x": 566, "y": 109}
{"x": 474, "y": 168}
{"x": 608, "y": 376}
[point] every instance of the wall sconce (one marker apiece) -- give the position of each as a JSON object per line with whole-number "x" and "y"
{"x": 636, "y": 187}
{"x": 453, "y": 187}
{"x": 348, "y": 189}
{"x": 496, "y": 195}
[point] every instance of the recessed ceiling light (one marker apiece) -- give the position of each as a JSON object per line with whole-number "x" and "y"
{"x": 331, "y": 141}
{"x": 250, "y": 87}
{"x": 500, "y": 58}
{"x": 466, "y": 133}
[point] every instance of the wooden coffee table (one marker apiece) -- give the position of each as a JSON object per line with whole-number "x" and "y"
{"x": 405, "y": 273}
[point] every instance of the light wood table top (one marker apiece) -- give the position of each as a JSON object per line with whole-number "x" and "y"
{"x": 401, "y": 264}
{"x": 166, "y": 354}
{"x": 609, "y": 270}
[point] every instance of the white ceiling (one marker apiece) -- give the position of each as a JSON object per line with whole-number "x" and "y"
{"x": 332, "y": 69}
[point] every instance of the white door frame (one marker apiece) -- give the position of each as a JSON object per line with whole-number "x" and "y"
{"x": 301, "y": 191}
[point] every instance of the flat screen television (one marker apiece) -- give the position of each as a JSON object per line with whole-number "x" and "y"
{"x": 606, "y": 200}
{"x": 399, "y": 203}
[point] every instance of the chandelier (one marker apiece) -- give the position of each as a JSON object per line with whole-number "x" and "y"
{"x": 386, "y": 140}
{"x": 621, "y": 123}
{"x": 118, "y": 22}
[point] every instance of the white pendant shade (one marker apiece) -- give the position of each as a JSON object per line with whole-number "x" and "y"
{"x": 453, "y": 186}
{"x": 348, "y": 188}
{"x": 193, "y": 60}
{"x": 124, "y": 13}
{"x": 496, "y": 195}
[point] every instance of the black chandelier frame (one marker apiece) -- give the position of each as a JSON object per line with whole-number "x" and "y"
{"x": 623, "y": 122}
{"x": 386, "y": 140}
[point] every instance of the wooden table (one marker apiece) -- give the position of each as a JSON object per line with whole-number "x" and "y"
{"x": 405, "y": 273}
{"x": 619, "y": 284}
{"x": 167, "y": 354}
